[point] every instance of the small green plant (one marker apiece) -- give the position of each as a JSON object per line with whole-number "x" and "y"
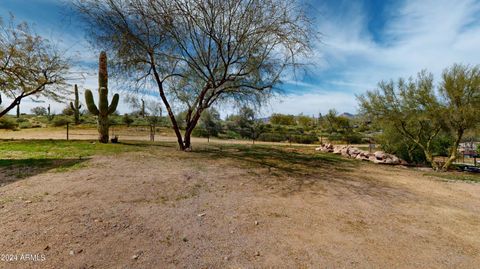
{"x": 24, "y": 125}
{"x": 8, "y": 123}
{"x": 103, "y": 109}
{"x": 60, "y": 121}
{"x": 75, "y": 106}
{"x": 127, "y": 120}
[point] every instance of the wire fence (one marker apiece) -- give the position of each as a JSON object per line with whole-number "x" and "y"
{"x": 127, "y": 132}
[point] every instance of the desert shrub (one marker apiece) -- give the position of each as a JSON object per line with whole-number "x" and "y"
{"x": 229, "y": 134}
{"x": 60, "y": 121}
{"x": 127, "y": 120}
{"x": 20, "y": 120}
{"x": 304, "y": 139}
{"x": 334, "y": 137}
{"x": 353, "y": 138}
{"x": 39, "y": 111}
{"x": 8, "y": 123}
{"x": 272, "y": 137}
{"x": 68, "y": 111}
{"x": 391, "y": 142}
{"x": 24, "y": 125}
{"x": 200, "y": 131}
{"x": 36, "y": 125}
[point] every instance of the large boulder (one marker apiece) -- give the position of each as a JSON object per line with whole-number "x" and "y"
{"x": 380, "y": 155}
{"x": 353, "y": 152}
{"x": 362, "y": 157}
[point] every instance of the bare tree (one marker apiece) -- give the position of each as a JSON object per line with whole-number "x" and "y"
{"x": 30, "y": 66}
{"x": 198, "y": 52}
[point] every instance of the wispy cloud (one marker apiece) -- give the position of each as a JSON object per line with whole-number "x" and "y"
{"x": 416, "y": 35}
{"x": 363, "y": 42}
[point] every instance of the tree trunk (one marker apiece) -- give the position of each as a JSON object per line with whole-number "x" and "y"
{"x": 176, "y": 129}
{"x": 453, "y": 150}
{"x": 10, "y": 107}
{"x": 188, "y": 132}
{"x": 103, "y": 129}
{"x": 18, "y": 109}
{"x": 410, "y": 153}
{"x": 429, "y": 157}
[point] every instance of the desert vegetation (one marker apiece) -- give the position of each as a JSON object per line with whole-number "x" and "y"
{"x": 425, "y": 117}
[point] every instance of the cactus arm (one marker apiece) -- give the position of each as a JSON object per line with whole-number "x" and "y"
{"x": 72, "y": 106}
{"x": 91, "y": 103}
{"x": 114, "y": 104}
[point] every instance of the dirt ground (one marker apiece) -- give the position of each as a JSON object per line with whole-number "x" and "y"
{"x": 222, "y": 208}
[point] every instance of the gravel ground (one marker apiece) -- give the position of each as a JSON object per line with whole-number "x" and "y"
{"x": 160, "y": 208}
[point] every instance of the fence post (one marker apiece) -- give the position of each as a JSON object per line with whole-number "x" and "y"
{"x": 68, "y": 124}
{"x": 152, "y": 132}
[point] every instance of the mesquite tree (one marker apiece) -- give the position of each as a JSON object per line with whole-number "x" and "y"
{"x": 460, "y": 89}
{"x": 29, "y": 66}
{"x": 199, "y": 52}
{"x": 418, "y": 111}
{"x": 409, "y": 106}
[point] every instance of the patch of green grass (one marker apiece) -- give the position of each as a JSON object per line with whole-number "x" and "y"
{"x": 24, "y": 158}
{"x": 14, "y": 169}
{"x": 58, "y": 149}
{"x": 68, "y": 167}
{"x": 460, "y": 176}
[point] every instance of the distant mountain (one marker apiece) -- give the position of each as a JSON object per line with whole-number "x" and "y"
{"x": 347, "y": 115}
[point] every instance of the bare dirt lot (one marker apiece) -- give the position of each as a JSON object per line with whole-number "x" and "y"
{"x": 226, "y": 206}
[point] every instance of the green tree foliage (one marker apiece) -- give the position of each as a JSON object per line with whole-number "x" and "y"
{"x": 210, "y": 124}
{"x": 29, "y": 66}
{"x": 281, "y": 119}
{"x": 460, "y": 90}
{"x": 198, "y": 53}
{"x": 410, "y": 106}
{"x": 421, "y": 117}
{"x": 305, "y": 121}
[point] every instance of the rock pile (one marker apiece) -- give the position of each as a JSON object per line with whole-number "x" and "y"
{"x": 355, "y": 153}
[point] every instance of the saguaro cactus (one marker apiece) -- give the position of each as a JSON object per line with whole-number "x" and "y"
{"x": 143, "y": 108}
{"x": 103, "y": 109}
{"x": 76, "y": 106}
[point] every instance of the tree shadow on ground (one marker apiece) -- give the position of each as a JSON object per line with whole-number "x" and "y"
{"x": 293, "y": 161}
{"x": 147, "y": 144}
{"x": 289, "y": 170}
{"x": 12, "y": 170}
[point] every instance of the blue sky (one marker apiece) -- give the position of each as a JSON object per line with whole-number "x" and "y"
{"x": 362, "y": 43}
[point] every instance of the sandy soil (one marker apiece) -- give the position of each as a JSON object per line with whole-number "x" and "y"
{"x": 161, "y": 208}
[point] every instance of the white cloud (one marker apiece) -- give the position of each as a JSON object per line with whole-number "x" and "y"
{"x": 311, "y": 103}
{"x": 431, "y": 34}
